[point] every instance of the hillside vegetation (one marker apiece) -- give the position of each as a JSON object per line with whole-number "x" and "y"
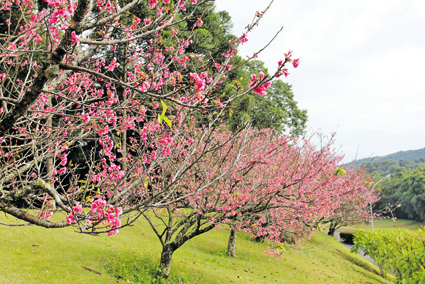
{"x": 36, "y": 255}
{"x": 405, "y": 187}
{"x": 411, "y": 155}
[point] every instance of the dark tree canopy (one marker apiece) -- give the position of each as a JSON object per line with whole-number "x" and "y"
{"x": 412, "y": 193}
{"x": 407, "y": 187}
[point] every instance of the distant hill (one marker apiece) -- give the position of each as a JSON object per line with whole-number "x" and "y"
{"x": 401, "y": 155}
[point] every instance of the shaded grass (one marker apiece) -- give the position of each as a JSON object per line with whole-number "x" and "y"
{"x": 60, "y": 255}
{"x": 129, "y": 266}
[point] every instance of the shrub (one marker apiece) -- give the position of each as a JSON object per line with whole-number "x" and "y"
{"x": 402, "y": 251}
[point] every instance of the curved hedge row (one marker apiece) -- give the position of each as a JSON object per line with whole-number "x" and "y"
{"x": 400, "y": 250}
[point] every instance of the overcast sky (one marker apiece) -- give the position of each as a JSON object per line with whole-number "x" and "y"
{"x": 362, "y": 66}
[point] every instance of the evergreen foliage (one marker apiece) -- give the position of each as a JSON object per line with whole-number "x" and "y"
{"x": 406, "y": 185}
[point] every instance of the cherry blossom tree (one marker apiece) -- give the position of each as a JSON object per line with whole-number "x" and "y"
{"x": 281, "y": 182}
{"x": 334, "y": 196}
{"x": 353, "y": 205}
{"x": 134, "y": 134}
{"x": 150, "y": 138}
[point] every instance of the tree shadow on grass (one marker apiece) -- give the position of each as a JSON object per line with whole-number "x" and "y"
{"x": 358, "y": 262}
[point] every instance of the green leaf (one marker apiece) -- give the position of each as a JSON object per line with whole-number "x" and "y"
{"x": 167, "y": 121}
{"x": 164, "y": 107}
{"x": 164, "y": 118}
{"x": 339, "y": 172}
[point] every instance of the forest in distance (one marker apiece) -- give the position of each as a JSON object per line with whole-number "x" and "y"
{"x": 405, "y": 185}
{"x": 410, "y": 155}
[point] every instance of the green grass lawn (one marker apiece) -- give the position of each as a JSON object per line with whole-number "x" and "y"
{"x": 388, "y": 224}
{"x": 36, "y": 255}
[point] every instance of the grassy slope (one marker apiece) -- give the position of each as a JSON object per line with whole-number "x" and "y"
{"x": 61, "y": 253}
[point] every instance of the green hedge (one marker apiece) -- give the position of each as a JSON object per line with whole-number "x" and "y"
{"x": 402, "y": 251}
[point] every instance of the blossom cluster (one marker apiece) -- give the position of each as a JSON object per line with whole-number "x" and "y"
{"x": 100, "y": 212}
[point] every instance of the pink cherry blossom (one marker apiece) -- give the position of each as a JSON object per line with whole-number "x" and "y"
{"x": 74, "y": 38}
{"x": 288, "y": 55}
{"x": 259, "y": 90}
{"x": 243, "y": 39}
{"x": 118, "y": 212}
{"x": 47, "y": 215}
{"x": 147, "y": 21}
{"x": 152, "y": 3}
{"x": 70, "y": 219}
{"x": 86, "y": 117}
{"x": 296, "y": 62}
{"x": 113, "y": 64}
{"x": 97, "y": 207}
{"x": 78, "y": 208}
{"x": 199, "y": 22}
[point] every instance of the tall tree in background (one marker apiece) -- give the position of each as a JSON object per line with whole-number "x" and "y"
{"x": 277, "y": 109}
{"x": 211, "y": 41}
{"x": 411, "y": 193}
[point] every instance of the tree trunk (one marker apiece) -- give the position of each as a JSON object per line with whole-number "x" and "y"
{"x": 231, "y": 247}
{"x": 332, "y": 229}
{"x": 165, "y": 265}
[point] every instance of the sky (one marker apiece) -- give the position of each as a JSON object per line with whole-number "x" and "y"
{"x": 361, "y": 71}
